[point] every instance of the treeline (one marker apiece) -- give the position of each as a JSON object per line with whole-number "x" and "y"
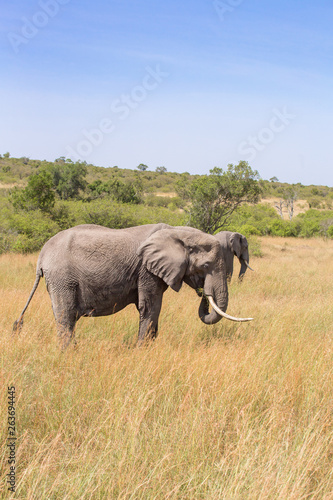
{"x": 57, "y": 195}
{"x": 40, "y": 198}
{"x": 157, "y": 179}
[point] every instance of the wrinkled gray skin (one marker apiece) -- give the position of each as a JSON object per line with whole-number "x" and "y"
{"x": 233, "y": 244}
{"x": 91, "y": 270}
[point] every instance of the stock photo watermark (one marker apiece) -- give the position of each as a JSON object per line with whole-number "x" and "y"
{"x": 223, "y": 7}
{"x": 121, "y": 108}
{"x": 11, "y": 440}
{"x": 278, "y": 122}
{"x": 31, "y": 26}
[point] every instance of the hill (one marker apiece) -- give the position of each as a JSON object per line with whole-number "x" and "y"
{"x": 63, "y": 194}
{"x": 16, "y": 171}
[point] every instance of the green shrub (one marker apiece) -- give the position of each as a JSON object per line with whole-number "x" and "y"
{"x": 254, "y": 246}
{"x": 315, "y": 223}
{"x": 247, "y": 230}
{"x": 32, "y": 230}
{"x": 63, "y": 213}
{"x": 38, "y": 194}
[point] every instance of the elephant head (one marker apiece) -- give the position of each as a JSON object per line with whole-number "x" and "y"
{"x": 234, "y": 244}
{"x": 240, "y": 247}
{"x": 178, "y": 255}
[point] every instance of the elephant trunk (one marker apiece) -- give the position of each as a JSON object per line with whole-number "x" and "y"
{"x": 219, "y": 292}
{"x": 244, "y": 261}
{"x": 242, "y": 269}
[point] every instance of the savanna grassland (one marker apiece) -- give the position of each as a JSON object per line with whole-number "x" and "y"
{"x": 230, "y": 411}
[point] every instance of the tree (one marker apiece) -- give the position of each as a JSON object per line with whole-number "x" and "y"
{"x": 279, "y": 207}
{"x": 68, "y": 178}
{"x": 142, "y": 167}
{"x": 211, "y": 199}
{"x": 124, "y": 192}
{"x": 290, "y": 196}
{"x": 38, "y": 193}
{"x": 161, "y": 170}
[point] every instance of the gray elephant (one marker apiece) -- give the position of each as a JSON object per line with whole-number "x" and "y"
{"x": 234, "y": 244}
{"x": 92, "y": 270}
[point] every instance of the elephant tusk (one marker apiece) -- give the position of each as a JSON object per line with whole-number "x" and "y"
{"x": 247, "y": 265}
{"x": 225, "y": 315}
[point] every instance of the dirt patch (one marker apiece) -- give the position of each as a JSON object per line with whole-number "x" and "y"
{"x": 9, "y": 186}
{"x": 166, "y": 195}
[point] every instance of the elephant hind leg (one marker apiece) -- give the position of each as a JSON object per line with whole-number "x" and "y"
{"x": 66, "y": 316}
{"x": 66, "y": 333}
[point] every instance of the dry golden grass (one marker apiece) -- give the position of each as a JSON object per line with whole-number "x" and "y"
{"x": 231, "y": 411}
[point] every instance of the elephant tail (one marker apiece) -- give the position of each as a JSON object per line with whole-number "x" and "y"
{"x": 17, "y": 326}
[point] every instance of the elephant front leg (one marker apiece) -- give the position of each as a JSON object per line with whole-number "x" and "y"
{"x": 149, "y": 306}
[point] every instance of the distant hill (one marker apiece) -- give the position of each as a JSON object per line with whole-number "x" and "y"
{"x": 15, "y": 172}
{"x": 66, "y": 194}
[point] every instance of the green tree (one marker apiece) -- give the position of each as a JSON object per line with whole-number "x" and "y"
{"x": 161, "y": 170}
{"x": 38, "y": 194}
{"x": 68, "y": 178}
{"x": 211, "y": 199}
{"x": 124, "y": 192}
{"x": 142, "y": 167}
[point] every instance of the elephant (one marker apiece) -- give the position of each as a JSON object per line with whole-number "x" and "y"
{"x": 234, "y": 244}
{"x": 92, "y": 270}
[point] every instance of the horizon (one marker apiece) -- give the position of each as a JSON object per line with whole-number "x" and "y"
{"x": 186, "y": 86}
{"x": 275, "y": 179}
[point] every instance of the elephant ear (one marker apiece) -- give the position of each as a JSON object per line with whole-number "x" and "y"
{"x": 164, "y": 255}
{"x": 236, "y": 243}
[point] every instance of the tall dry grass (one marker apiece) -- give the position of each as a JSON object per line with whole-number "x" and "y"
{"x": 230, "y": 411}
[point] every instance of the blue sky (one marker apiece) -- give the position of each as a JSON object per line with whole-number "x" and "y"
{"x": 187, "y": 85}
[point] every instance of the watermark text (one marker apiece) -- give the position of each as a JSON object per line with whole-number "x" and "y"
{"x": 31, "y": 26}
{"x": 278, "y": 122}
{"x": 11, "y": 440}
{"x": 121, "y": 109}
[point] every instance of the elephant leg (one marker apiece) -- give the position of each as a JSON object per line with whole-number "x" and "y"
{"x": 65, "y": 315}
{"x": 149, "y": 307}
{"x": 65, "y": 329}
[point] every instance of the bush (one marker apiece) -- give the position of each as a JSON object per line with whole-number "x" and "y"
{"x": 253, "y": 219}
{"x": 172, "y": 203}
{"x": 32, "y": 230}
{"x": 315, "y": 223}
{"x": 248, "y": 229}
{"x": 38, "y": 194}
{"x": 106, "y": 213}
{"x": 254, "y": 246}
{"x": 63, "y": 214}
